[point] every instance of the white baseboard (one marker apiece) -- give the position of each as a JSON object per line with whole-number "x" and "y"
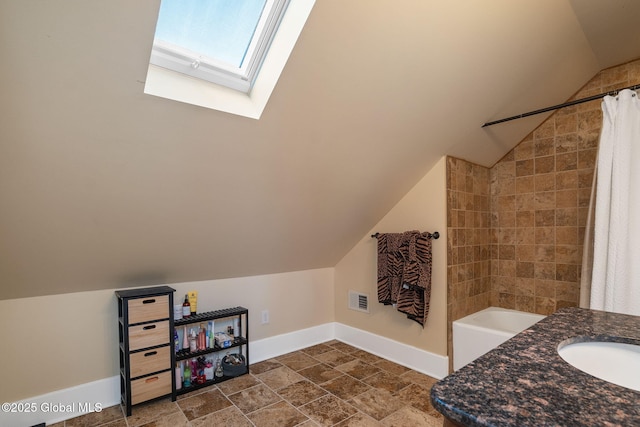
{"x": 428, "y": 363}
{"x": 423, "y": 361}
{"x": 278, "y": 345}
{"x": 83, "y": 398}
{"x": 63, "y": 404}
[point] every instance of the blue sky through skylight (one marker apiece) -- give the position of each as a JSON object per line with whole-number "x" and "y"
{"x": 220, "y": 29}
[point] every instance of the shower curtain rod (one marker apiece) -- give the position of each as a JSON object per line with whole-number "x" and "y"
{"x": 556, "y": 107}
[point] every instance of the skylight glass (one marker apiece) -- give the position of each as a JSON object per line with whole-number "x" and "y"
{"x": 218, "y": 29}
{"x": 221, "y": 41}
{"x": 230, "y": 64}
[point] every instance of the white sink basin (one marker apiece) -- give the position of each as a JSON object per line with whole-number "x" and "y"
{"x": 617, "y": 363}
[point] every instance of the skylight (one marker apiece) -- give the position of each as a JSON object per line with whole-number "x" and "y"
{"x": 222, "y": 41}
{"x": 217, "y": 29}
{"x": 204, "y": 48}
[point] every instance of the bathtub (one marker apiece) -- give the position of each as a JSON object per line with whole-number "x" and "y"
{"x": 478, "y": 333}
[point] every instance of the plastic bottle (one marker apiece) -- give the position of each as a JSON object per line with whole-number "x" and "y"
{"x": 185, "y": 339}
{"x": 186, "y": 307}
{"x": 201, "y": 339}
{"x": 176, "y": 340}
{"x": 208, "y": 371}
{"x": 187, "y": 375}
{"x": 194, "y": 371}
{"x": 193, "y": 345}
{"x": 219, "y": 372}
{"x": 178, "y": 376}
{"x": 193, "y": 301}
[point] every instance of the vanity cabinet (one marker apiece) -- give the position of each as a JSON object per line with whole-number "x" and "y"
{"x": 145, "y": 328}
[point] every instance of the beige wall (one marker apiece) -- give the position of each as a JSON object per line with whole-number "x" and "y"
{"x": 423, "y": 208}
{"x": 59, "y": 341}
{"x": 71, "y": 339}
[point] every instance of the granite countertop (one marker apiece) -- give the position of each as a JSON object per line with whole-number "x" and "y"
{"x": 524, "y": 382}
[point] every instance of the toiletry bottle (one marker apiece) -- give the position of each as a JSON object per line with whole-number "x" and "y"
{"x": 193, "y": 301}
{"x": 203, "y": 332}
{"x": 186, "y": 307}
{"x": 176, "y": 340}
{"x": 208, "y": 371}
{"x": 178, "y": 376}
{"x": 187, "y": 375}
{"x": 185, "y": 340}
{"x": 219, "y": 373}
{"x": 194, "y": 371}
{"x": 193, "y": 345}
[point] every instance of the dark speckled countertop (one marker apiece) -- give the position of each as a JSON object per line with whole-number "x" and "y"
{"x": 524, "y": 382}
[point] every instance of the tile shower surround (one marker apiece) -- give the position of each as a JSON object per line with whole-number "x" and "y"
{"x": 329, "y": 384}
{"x": 516, "y": 230}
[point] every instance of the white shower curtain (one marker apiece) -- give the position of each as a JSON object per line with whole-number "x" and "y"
{"x": 615, "y": 279}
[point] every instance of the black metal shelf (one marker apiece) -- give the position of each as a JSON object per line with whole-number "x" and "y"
{"x": 193, "y": 387}
{"x": 185, "y": 355}
{"x": 210, "y": 315}
{"x": 240, "y": 343}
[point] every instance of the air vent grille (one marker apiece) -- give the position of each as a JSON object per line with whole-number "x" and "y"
{"x": 358, "y": 301}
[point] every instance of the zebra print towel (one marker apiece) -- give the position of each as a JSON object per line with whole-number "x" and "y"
{"x": 404, "y": 272}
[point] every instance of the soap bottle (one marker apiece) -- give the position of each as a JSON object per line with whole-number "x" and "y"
{"x": 178, "y": 376}
{"x": 185, "y": 340}
{"x": 187, "y": 375}
{"x": 202, "y": 341}
{"x": 219, "y": 372}
{"x": 193, "y": 345}
{"x": 194, "y": 371}
{"x": 208, "y": 371}
{"x": 193, "y": 301}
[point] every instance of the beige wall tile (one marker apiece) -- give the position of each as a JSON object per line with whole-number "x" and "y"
{"x": 524, "y": 167}
{"x": 545, "y": 182}
{"x": 521, "y": 222}
{"x": 567, "y": 161}
{"x": 566, "y": 143}
{"x": 544, "y": 164}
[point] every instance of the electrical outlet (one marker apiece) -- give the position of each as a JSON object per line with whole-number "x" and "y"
{"x": 265, "y": 317}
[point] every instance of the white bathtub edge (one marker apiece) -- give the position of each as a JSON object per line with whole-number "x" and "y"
{"x": 471, "y": 339}
{"x": 469, "y": 319}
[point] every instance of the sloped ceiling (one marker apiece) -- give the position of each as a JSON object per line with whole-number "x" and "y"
{"x": 102, "y": 186}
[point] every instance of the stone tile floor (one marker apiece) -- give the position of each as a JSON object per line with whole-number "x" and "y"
{"x": 329, "y": 384}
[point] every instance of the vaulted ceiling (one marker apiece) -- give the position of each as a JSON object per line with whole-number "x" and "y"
{"x": 102, "y": 186}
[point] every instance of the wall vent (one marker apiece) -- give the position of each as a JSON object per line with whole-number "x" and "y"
{"x": 358, "y": 301}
